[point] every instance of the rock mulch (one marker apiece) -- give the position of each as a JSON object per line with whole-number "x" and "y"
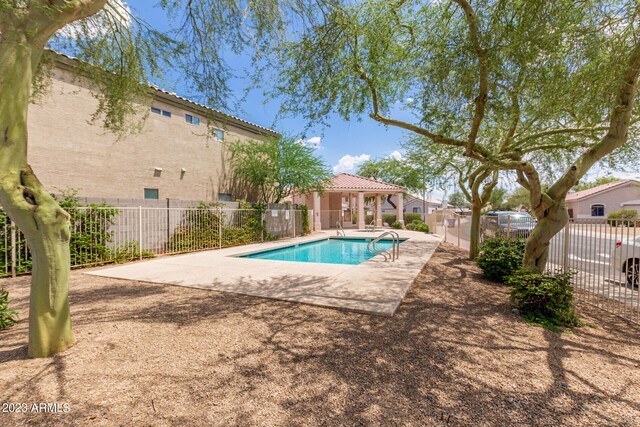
{"x": 453, "y": 354}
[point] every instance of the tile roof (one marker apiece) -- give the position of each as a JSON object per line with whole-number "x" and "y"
{"x": 183, "y": 99}
{"x": 600, "y": 188}
{"x": 347, "y": 181}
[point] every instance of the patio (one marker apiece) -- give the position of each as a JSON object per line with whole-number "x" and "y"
{"x": 375, "y": 286}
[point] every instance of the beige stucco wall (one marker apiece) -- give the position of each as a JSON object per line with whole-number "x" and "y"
{"x": 67, "y": 151}
{"x": 611, "y": 199}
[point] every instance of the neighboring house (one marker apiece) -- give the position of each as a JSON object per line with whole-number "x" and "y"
{"x": 175, "y": 155}
{"x": 412, "y": 204}
{"x": 599, "y": 201}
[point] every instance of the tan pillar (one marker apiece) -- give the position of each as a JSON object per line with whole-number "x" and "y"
{"x": 317, "y": 224}
{"x": 400, "y": 208}
{"x": 351, "y": 206}
{"x": 378, "y": 211}
{"x": 361, "y": 210}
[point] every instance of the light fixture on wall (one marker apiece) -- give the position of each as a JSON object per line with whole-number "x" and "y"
{"x": 182, "y": 172}
{"x": 157, "y": 172}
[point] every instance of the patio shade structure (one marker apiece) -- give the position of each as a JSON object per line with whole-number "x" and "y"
{"x": 355, "y": 188}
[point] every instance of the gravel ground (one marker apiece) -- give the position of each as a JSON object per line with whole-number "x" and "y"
{"x": 453, "y": 354}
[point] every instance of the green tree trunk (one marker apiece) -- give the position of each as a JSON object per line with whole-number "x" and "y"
{"x": 474, "y": 236}
{"x": 44, "y": 224}
{"x": 550, "y": 223}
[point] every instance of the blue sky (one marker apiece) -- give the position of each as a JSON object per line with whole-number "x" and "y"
{"x": 343, "y": 145}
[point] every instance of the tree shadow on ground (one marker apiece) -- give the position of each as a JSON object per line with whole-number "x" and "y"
{"x": 453, "y": 354}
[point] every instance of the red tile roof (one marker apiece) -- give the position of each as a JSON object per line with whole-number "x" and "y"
{"x": 600, "y": 188}
{"x": 347, "y": 181}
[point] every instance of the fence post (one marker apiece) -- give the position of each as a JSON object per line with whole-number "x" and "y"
{"x": 508, "y": 226}
{"x": 220, "y": 227}
{"x": 13, "y": 249}
{"x": 565, "y": 258}
{"x": 140, "y": 230}
{"x": 262, "y": 226}
{"x": 293, "y": 221}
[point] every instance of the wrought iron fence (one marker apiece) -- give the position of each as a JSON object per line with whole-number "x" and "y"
{"x": 604, "y": 255}
{"x": 102, "y": 235}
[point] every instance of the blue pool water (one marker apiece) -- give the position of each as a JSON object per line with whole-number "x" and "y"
{"x": 331, "y": 251}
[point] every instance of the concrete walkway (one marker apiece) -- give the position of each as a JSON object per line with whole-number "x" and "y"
{"x": 375, "y": 286}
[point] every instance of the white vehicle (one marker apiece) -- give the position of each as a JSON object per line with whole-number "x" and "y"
{"x": 626, "y": 259}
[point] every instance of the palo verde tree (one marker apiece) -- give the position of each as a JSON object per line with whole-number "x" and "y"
{"x": 120, "y": 53}
{"x": 508, "y": 84}
{"x": 278, "y": 167}
{"x": 394, "y": 171}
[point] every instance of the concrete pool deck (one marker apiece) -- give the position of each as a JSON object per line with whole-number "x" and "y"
{"x": 374, "y": 287}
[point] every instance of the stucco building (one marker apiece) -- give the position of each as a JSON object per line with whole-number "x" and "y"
{"x": 598, "y": 202}
{"x": 176, "y": 155}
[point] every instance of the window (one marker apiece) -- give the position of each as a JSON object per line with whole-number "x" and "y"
{"x": 218, "y": 135}
{"x": 166, "y": 113}
{"x": 156, "y": 110}
{"x": 191, "y": 119}
{"x": 225, "y": 197}
{"x": 151, "y": 193}
{"x": 416, "y": 210}
{"x": 597, "y": 210}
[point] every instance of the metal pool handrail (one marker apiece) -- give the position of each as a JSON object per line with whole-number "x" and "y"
{"x": 340, "y": 230}
{"x": 395, "y": 246}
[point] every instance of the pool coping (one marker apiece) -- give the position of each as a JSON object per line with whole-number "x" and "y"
{"x": 373, "y": 287}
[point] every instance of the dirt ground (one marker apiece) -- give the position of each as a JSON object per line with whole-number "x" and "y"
{"x": 453, "y": 354}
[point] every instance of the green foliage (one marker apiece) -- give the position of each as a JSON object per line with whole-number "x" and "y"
{"x": 388, "y": 218}
{"x": 417, "y": 225}
{"x": 499, "y": 258}
{"x": 277, "y": 167}
{"x": 458, "y": 200}
{"x": 497, "y": 198}
{"x": 304, "y": 210}
{"x": 412, "y": 217}
{"x": 7, "y": 316}
{"x": 596, "y": 182}
{"x": 543, "y": 299}
{"x": 90, "y": 235}
{"x": 624, "y": 217}
{"x": 517, "y": 199}
{"x": 394, "y": 171}
{"x": 397, "y": 225}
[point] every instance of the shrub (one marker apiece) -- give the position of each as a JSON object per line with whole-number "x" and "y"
{"x": 411, "y": 226}
{"x": 410, "y": 217}
{"x": 389, "y": 218}
{"x": 543, "y": 299}
{"x": 304, "y": 211}
{"x": 7, "y": 316}
{"x": 625, "y": 217}
{"x": 396, "y": 225}
{"x": 416, "y": 221}
{"x": 421, "y": 227}
{"x": 500, "y": 257}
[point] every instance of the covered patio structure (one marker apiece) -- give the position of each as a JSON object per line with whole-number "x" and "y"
{"x": 343, "y": 200}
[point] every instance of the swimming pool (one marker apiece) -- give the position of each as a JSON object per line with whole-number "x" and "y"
{"x": 330, "y": 251}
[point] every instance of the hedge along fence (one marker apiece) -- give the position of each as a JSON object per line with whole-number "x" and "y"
{"x": 625, "y": 218}
{"x": 104, "y": 234}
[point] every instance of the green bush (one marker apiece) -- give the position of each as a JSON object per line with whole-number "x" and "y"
{"x": 543, "y": 299}
{"x": 7, "y": 316}
{"x": 500, "y": 257}
{"x": 416, "y": 221}
{"x": 304, "y": 211}
{"x": 389, "y": 218}
{"x": 397, "y": 225}
{"x": 410, "y": 217}
{"x": 411, "y": 226}
{"x": 625, "y": 217}
{"x": 422, "y": 227}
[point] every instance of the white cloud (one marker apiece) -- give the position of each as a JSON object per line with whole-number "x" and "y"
{"x": 409, "y": 100}
{"x": 314, "y": 141}
{"x": 349, "y": 162}
{"x": 395, "y": 155}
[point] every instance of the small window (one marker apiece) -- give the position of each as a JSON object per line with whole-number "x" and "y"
{"x": 156, "y": 110}
{"x": 225, "y": 197}
{"x": 151, "y": 193}
{"x": 416, "y": 210}
{"x": 597, "y": 210}
{"x": 218, "y": 135}
{"x": 191, "y": 119}
{"x": 166, "y": 113}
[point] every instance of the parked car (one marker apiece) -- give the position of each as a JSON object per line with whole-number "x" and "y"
{"x": 507, "y": 224}
{"x": 626, "y": 259}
